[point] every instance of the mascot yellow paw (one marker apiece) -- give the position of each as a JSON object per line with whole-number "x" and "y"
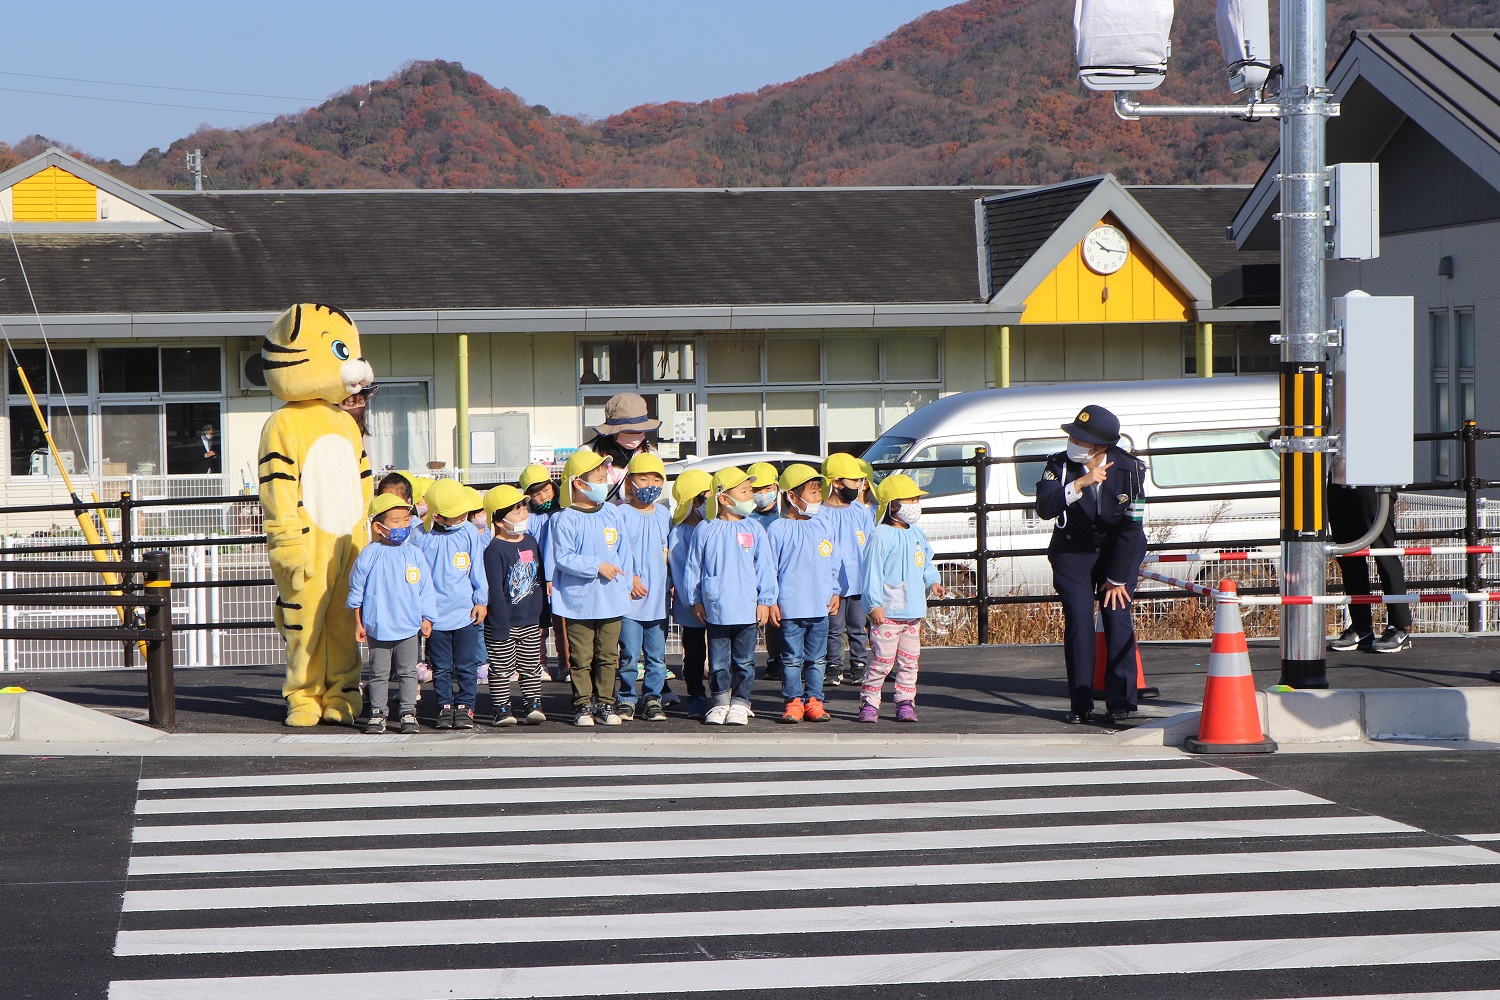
{"x": 304, "y": 715}
{"x": 340, "y": 711}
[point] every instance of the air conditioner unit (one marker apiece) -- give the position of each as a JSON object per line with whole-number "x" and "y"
{"x": 252, "y": 375}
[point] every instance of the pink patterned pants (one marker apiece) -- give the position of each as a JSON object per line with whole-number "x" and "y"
{"x": 894, "y": 649}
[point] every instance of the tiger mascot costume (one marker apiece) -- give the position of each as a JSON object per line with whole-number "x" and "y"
{"x": 315, "y": 485}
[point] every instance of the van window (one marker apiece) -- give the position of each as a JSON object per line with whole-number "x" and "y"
{"x": 1214, "y": 468}
{"x": 1027, "y": 473}
{"x": 885, "y": 450}
{"x": 950, "y": 481}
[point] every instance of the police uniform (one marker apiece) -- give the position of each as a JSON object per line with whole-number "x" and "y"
{"x": 1098, "y": 541}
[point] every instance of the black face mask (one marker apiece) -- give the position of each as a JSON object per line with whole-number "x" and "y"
{"x": 540, "y": 508}
{"x": 848, "y": 494}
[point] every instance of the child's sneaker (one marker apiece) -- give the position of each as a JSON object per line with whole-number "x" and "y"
{"x": 445, "y": 717}
{"x": 906, "y": 711}
{"x": 376, "y": 725}
{"x": 715, "y": 716}
{"x": 834, "y": 677}
{"x": 697, "y": 708}
{"x": 668, "y": 696}
{"x": 503, "y": 717}
{"x": 738, "y": 715}
{"x": 868, "y": 713}
{"x": 625, "y": 710}
{"x": 534, "y": 715}
{"x": 794, "y": 712}
{"x": 653, "y": 711}
{"x": 463, "y": 717}
{"x": 815, "y": 712}
{"x": 605, "y": 715}
{"x": 584, "y": 716}
{"x": 409, "y": 722}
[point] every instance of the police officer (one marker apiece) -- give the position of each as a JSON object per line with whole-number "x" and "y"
{"x": 1093, "y": 490}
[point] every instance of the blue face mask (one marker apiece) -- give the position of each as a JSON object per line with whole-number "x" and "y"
{"x": 648, "y": 494}
{"x": 398, "y": 536}
{"x": 595, "y": 492}
{"x": 765, "y": 501}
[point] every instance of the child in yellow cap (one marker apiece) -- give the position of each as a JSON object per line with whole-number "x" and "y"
{"x": 807, "y": 579}
{"x": 456, "y": 646}
{"x": 731, "y": 580}
{"x": 690, "y": 494}
{"x": 767, "y": 498}
{"x": 852, "y": 527}
{"x": 898, "y": 574}
{"x": 512, "y": 630}
{"x": 643, "y": 630}
{"x": 541, "y": 501}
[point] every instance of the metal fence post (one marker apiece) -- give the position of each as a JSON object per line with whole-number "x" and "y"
{"x": 982, "y": 544}
{"x": 161, "y": 689}
{"x": 1472, "y": 582}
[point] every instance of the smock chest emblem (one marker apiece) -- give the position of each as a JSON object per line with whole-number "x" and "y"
{"x": 461, "y": 560}
{"x": 825, "y": 548}
{"x": 745, "y": 539}
{"x": 611, "y": 536}
{"x": 861, "y": 536}
{"x": 921, "y": 558}
{"x": 413, "y": 575}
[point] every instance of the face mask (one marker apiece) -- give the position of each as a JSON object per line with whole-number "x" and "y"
{"x": 910, "y": 513}
{"x": 478, "y": 522}
{"x": 516, "y": 527}
{"x": 540, "y": 508}
{"x": 595, "y": 492}
{"x": 765, "y": 501}
{"x": 421, "y": 508}
{"x": 744, "y": 508}
{"x": 648, "y": 494}
{"x": 1078, "y": 452}
{"x": 812, "y": 508}
{"x": 398, "y": 536}
{"x": 848, "y": 494}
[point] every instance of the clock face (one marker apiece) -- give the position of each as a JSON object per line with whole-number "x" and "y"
{"x": 1105, "y": 249}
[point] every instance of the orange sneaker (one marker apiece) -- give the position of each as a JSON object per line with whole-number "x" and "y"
{"x": 793, "y": 713}
{"x": 815, "y": 712}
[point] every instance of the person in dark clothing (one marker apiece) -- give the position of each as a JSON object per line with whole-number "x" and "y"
{"x": 1351, "y": 513}
{"x": 1093, "y": 489}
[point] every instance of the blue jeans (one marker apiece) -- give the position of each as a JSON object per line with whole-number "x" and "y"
{"x": 731, "y": 663}
{"x": 637, "y": 638}
{"x": 804, "y": 651}
{"x": 455, "y": 656}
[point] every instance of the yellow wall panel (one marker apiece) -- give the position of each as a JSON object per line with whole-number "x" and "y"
{"x": 1140, "y": 292}
{"x": 54, "y": 195}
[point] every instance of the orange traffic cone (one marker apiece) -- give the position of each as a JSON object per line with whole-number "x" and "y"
{"x": 1230, "y": 722}
{"x": 1101, "y": 657}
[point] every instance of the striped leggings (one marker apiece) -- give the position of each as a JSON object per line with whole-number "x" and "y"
{"x": 895, "y": 647}
{"x": 521, "y": 652}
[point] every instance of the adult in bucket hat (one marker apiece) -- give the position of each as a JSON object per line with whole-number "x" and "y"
{"x": 1095, "y": 491}
{"x": 624, "y": 433}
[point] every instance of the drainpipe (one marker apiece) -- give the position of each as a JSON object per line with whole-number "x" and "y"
{"x": 462, "y": 405}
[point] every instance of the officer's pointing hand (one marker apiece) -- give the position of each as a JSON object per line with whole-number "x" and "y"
{"x": 1095, "y": 476}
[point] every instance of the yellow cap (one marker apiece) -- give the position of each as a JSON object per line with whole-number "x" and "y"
{"x": 897, "y": 486}
{"x": 502, "y": 497}
{"x": 841, "y": 465}
{"x": 646, "y": 462}
{"x": 687, "y": 487}
{"x": 867, "y": 469}
{"x": 475, "y": 499}
{"x": 796, "y": 475}
{"x": 726, "y": 479}
{"x": 448, "y": 498}
{"x": 580, "y": 463}
{"x": 533, "y": 475}
{"x": 384, "y": 502}
{"x": 764, "y": 474}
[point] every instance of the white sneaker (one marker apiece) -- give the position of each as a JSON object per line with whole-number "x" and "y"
{"x": 605, "y": 715}
{"x": 739, "y": 715}
{"x": 715, "y": 715}
{"x": 584, "y": 717}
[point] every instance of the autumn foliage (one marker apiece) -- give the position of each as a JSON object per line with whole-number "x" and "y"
{"x": 982, "y": 92}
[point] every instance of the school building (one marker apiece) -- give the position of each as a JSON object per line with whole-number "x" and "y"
{"x": 798, "y": 319}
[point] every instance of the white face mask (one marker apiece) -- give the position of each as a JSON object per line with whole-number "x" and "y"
{"x": 516, "y": 527}
{"x": 1078, "y": 452}
{"x": 812, "y": 508}
{"x": 911, "y": 513}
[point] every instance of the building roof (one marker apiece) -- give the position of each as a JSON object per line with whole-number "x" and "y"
{"x": 1446, "y": 81}
{"x": 1019, "y": 223}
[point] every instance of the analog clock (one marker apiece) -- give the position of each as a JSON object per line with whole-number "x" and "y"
{"x": 1105, "y": 249}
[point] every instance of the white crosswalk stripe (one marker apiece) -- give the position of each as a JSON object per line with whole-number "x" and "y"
{"x": 686, "y": 877}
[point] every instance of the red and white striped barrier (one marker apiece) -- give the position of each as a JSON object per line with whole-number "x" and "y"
{"x": 1200, "y": 589}
{"x": 1456, "y": 597}
{"x": 1432, "y": 550}
{"x": 1171, "y": 557}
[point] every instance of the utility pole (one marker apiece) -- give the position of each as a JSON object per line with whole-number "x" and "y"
{"x": 195, "y": 167}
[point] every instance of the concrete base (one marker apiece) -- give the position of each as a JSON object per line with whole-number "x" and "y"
{"x": 29, "y": 717}
{"x": 1470, "y": 714}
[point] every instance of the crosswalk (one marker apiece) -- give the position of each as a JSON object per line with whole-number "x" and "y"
{"x": 1019, "y": 875}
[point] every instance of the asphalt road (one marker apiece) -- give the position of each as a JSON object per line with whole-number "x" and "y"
{"x": 1048, "y": 874}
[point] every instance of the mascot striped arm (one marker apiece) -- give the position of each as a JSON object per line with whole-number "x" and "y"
{"x": 315, "y": 485}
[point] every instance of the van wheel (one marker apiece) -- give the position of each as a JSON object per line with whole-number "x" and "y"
{"x": 959, "y": 581}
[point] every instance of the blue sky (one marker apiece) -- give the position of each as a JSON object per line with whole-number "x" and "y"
{"x": 575, "y": 56}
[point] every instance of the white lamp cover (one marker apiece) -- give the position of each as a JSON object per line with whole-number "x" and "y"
{"x": 1245, "y": 36}
{"x": 1122, "y": 44}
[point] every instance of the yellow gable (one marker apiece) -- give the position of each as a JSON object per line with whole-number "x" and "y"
{"x": 1140, "y": 292}
{"x": 54, "y": 195}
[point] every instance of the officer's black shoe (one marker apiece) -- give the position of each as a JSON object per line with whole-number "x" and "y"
{"x": 1075, "y": 718}
{"x": 1117, "y": 716}
{"x": 1394, "y": 641}
{"x": 1349, "y": 639}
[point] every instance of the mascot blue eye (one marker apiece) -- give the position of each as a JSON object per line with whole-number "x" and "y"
{"x": 341, "y": 350}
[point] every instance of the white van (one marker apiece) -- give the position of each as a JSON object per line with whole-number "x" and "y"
{"x": 1027, "y": 422}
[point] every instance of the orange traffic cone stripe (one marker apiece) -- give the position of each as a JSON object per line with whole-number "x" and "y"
{"x": 1101, "y": 660}
{"x": 1230, "y": 722}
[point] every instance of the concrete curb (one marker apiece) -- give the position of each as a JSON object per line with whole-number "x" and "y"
{"x": 1436, "y": 714}
{"x": 29, "y": 717}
